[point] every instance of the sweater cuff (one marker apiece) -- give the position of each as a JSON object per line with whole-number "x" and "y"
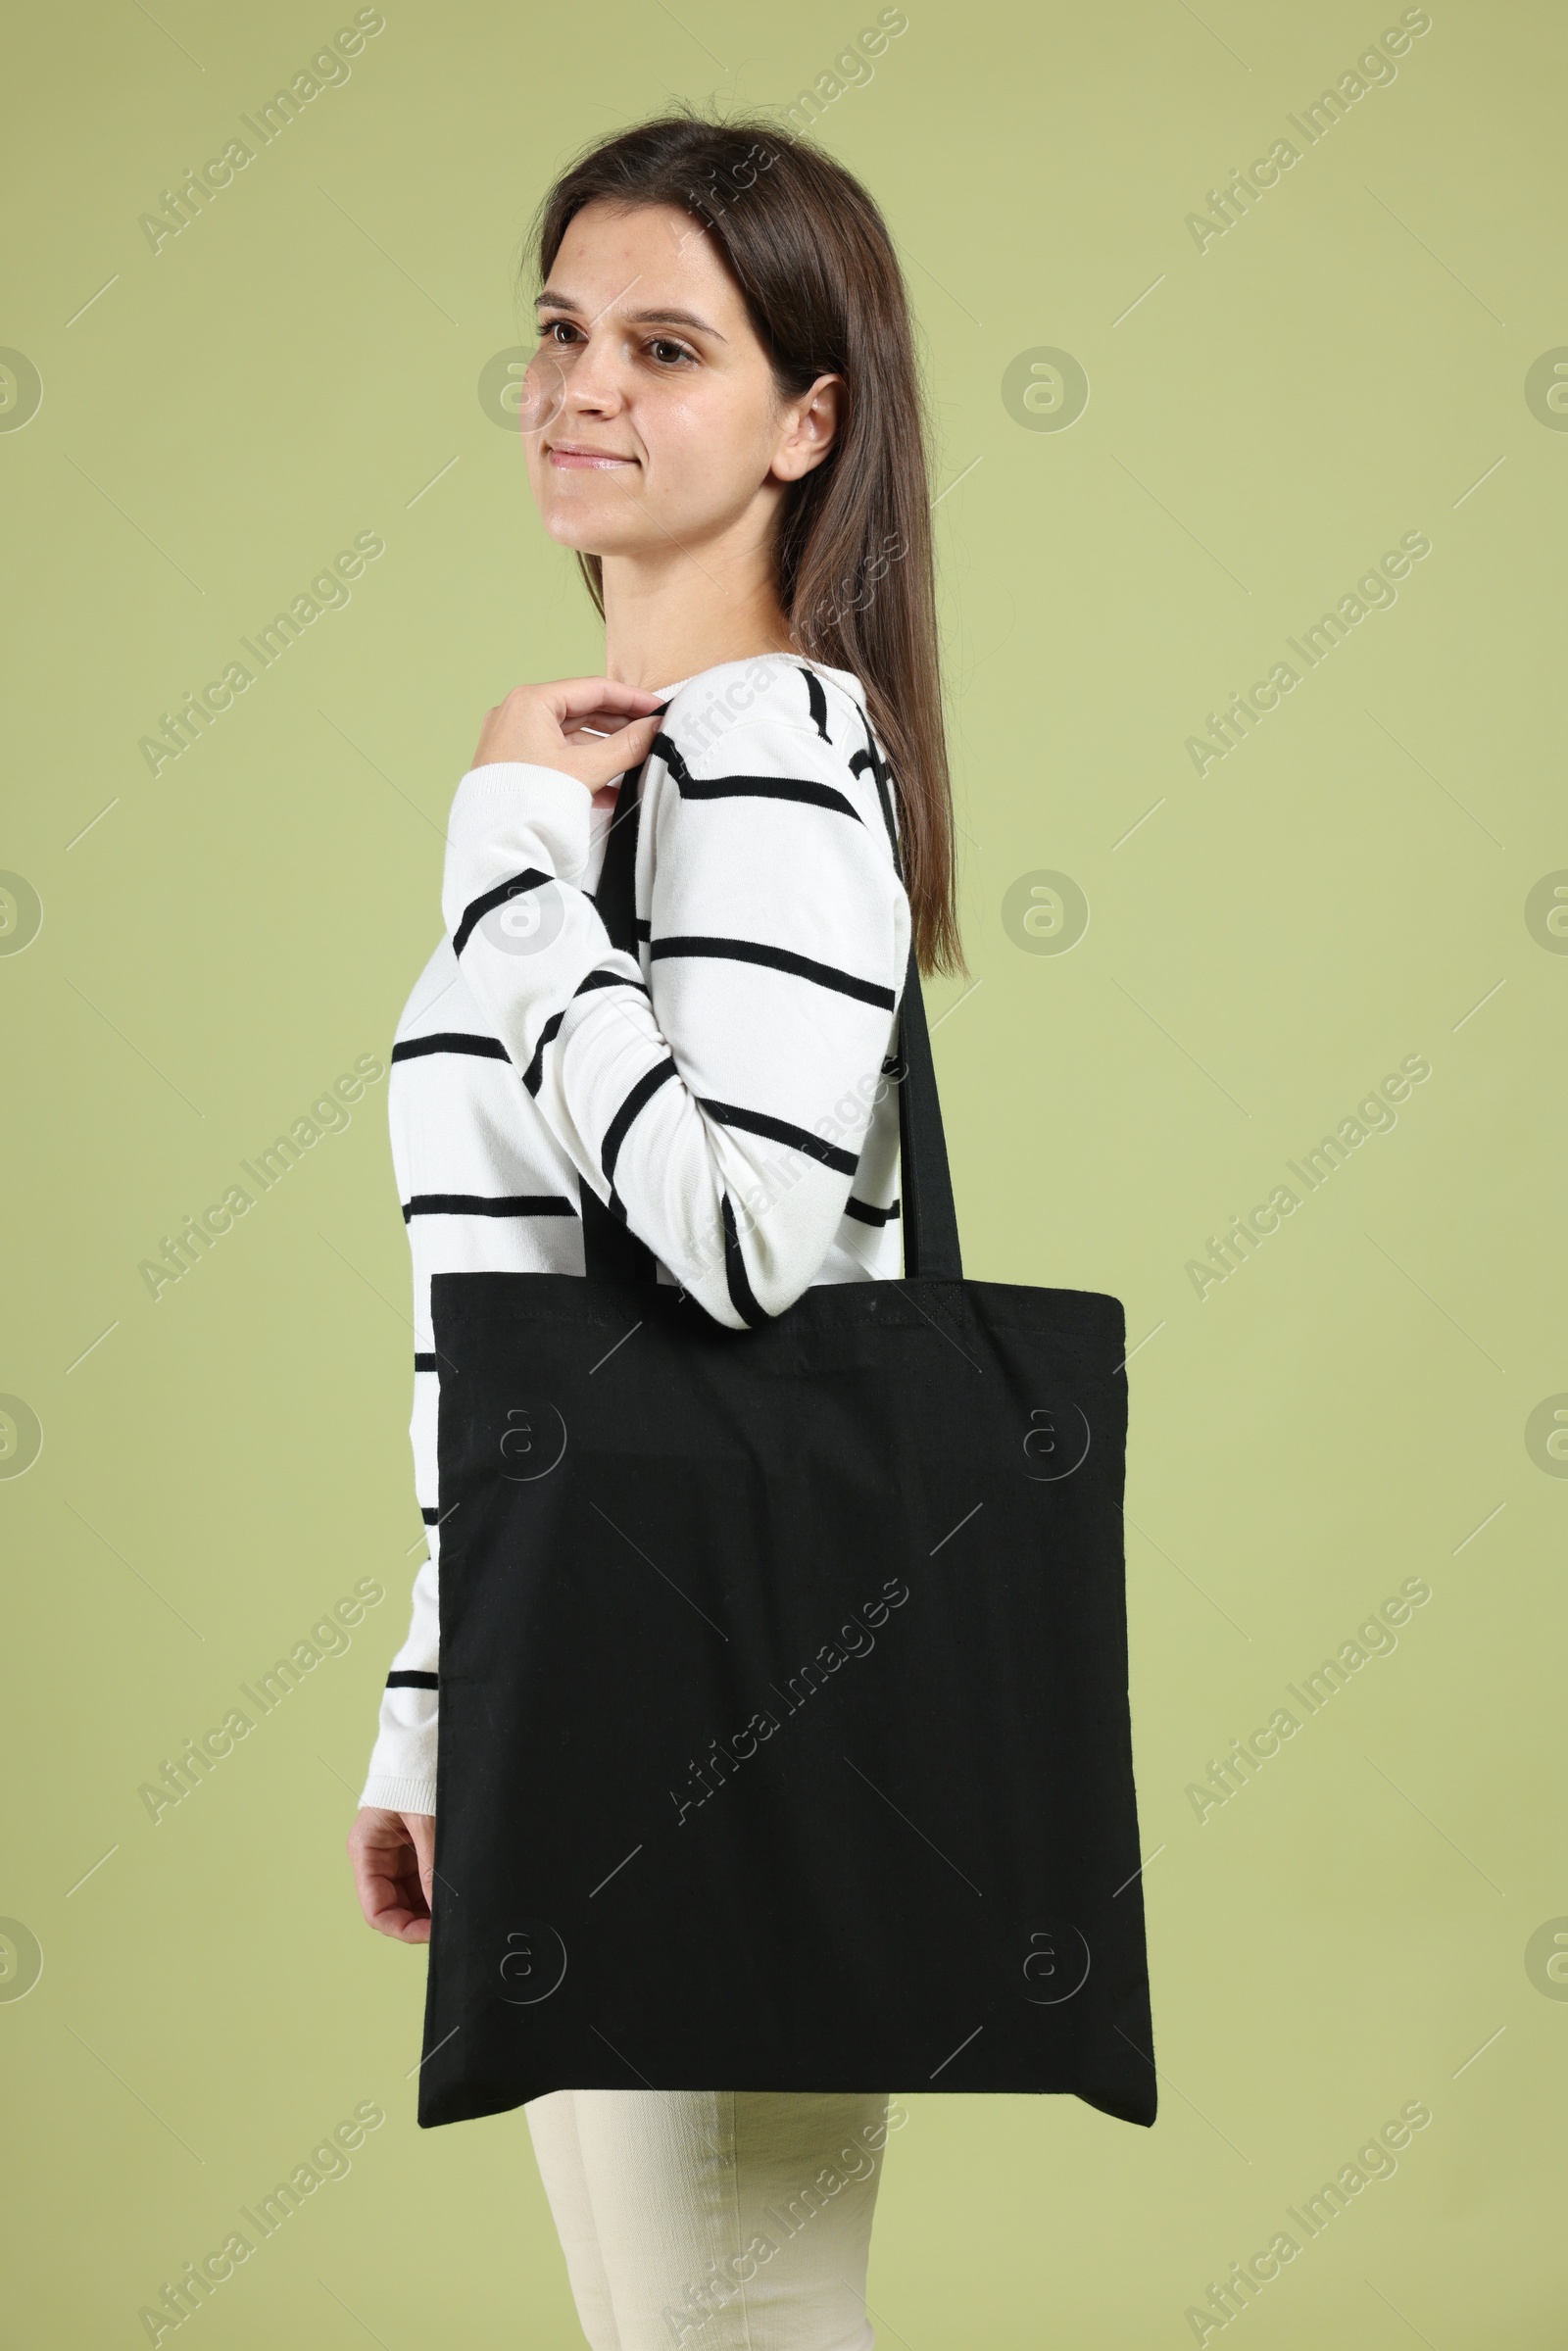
{"x": 388, "y": 1795}
{"x": 558, "y": 807}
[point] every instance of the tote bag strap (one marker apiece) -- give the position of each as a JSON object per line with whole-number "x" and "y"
{"x": 930, "y": 1221}
{"x": 612, "y": 1252}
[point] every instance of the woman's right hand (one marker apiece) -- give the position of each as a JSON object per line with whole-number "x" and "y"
{"x": 394, "y": 1859}
{"x": 590, "y": 728}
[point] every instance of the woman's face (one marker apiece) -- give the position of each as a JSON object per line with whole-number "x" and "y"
{"x": 649, "y": 415}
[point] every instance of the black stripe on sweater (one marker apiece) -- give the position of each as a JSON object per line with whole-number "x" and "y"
{"x": 781, "y": 1130}
{"x": 608, "y": 979}
{"x": 646, "y": 1088}
{"x": 449, "y": 1041}
{"x": 533, "y": 1075}
{"x": 818, "y": 703}
{"x": 867, "y": 1214}
{"x": 741, "y": 1295}
{"x": 529, "y": 879}
{"x": 778, "y": 959}
{"x": 476, "y": 1204}
{"x": 756, "y": 786}
{"x": 414, "y": 1680}
{"x": 422, "y": 1362}
{"x": 535, "y": 1070}
{"x": 883, "y": 776}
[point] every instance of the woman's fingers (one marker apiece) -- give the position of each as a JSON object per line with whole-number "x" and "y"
{"x": 593, "y": 724}
{"x": 575, "y": 695}
{"x": 422, "y": 1826}
{"x": 597, "y": 764}
{"x": 392, "y": 1855}
{"x": 568, "y": 725}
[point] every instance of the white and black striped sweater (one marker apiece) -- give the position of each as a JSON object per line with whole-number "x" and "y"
{"x": 728, "y": 1085}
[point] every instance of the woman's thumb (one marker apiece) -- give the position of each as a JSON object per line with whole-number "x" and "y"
{"x": 625, "y": 749}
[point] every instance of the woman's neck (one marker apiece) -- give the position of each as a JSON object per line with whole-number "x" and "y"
{"x": 667, "y": 622}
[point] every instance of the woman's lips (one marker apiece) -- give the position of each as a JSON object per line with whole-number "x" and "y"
{"x": 581, "y": 458}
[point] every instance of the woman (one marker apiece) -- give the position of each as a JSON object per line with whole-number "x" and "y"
{"x": 723, "y": 421}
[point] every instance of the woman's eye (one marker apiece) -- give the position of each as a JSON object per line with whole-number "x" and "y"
{"x": 562, "y": 335}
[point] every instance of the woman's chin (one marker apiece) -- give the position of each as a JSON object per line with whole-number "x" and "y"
{"x": 577, "y": 531}
{"x": 599, "y": 526}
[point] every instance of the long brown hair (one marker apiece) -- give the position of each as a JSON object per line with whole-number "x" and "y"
{"x": 810, "y": 253}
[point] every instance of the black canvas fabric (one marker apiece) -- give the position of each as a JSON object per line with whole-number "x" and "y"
{"x": 784, "y": 1736}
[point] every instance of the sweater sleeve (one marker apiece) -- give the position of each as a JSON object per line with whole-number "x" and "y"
{"x": 719, "y": 1105}
{"x": 402, "y": 1767}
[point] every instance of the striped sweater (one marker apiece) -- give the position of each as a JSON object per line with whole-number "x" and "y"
{"x": 725, "y": 1089}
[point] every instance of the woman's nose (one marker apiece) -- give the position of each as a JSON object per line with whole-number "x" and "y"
{"x": 593, "y": 376}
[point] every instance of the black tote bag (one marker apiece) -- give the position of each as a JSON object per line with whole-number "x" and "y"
{"x": 784, "y": 1736}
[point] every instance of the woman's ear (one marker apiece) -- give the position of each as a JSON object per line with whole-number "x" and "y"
{"x": 810, "y": 430}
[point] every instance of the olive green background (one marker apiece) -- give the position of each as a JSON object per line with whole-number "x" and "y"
{"x": 1265, "y": 941}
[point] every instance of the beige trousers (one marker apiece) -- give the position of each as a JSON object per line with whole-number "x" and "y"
{"x": 714, "y": 2220}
